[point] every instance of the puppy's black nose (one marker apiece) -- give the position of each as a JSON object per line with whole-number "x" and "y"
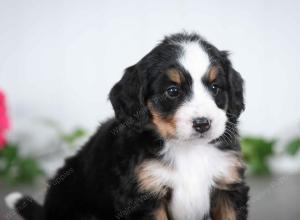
{"x": 201, "y": 124}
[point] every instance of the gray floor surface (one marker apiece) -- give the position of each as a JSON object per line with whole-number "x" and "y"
{"x": 272, "y": 198}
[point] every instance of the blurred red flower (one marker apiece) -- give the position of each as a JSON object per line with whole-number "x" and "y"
{"x": 4, "y": 120}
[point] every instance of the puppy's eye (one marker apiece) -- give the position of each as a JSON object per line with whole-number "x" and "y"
{"x": 172, "y": 92}
{"x": 215, "y": 89}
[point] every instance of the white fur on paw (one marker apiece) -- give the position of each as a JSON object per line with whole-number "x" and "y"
{"x": 12, "y": 199}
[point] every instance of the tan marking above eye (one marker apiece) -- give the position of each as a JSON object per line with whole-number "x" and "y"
{"x": 212, "y": 74}
{"x": 175, "y": 75}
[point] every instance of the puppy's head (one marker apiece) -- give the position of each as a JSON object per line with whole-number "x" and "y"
{"x": 185, "y": 87}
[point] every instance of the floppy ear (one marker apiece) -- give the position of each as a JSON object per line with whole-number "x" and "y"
{"x": 236, "y": 88}
{"x": 127, "y": 99}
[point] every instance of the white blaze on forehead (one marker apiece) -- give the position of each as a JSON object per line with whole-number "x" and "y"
{"x": 195, "y": 60}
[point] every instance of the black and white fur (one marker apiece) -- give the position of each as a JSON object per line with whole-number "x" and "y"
{"x": 149, "y": 162}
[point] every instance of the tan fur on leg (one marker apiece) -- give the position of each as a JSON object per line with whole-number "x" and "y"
{"x": 223, "y": 209}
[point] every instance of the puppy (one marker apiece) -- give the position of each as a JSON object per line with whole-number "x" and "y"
{"x": 170, "y": 153}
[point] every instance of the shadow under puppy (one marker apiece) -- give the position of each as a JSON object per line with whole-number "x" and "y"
{"x": 171, "y": 151}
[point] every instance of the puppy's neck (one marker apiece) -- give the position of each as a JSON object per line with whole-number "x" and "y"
{"x": 195, "y": 166}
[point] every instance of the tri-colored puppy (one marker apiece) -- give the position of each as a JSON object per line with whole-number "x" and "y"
{"x": 171, "y": 151}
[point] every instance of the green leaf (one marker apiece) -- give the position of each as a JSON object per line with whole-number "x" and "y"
{"x": 67, "y": 138}
{"x": 260, "y": 167}
{"x": 8, "y": 156}
{"x": 16, "y": 169}
{"x": 74, "y": 136}
{"x": 256, "y": 152}
{"x": 10, "y": 152}
{"x": 293, "y": 146}
{"x": 28, "y": 170}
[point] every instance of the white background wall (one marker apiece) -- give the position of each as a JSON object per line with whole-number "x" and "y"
{"x": 59, "y": 59}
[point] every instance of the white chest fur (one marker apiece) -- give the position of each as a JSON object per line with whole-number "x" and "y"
{"x": 195, "y": 167}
